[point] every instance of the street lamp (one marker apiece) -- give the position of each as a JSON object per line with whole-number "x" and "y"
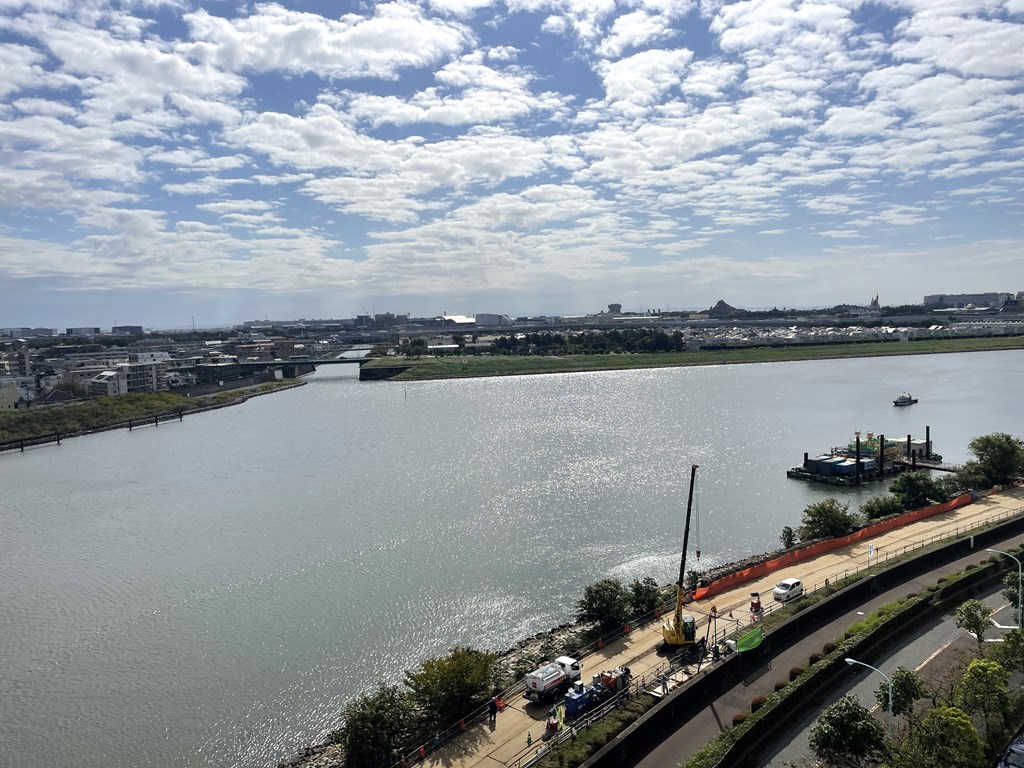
{"x": 1020, "y": 610}
{"x": 851, "y": 662}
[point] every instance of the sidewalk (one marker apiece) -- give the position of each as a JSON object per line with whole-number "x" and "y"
{"x": 495, "y": 746}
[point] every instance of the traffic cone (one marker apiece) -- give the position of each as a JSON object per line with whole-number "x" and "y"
{"x": 628, "y": 630}
{"x": 600, "y": 643}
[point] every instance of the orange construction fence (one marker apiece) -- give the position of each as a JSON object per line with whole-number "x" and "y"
{"x": 820, "y": 547}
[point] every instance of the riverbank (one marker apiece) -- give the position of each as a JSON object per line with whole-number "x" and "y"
{"x": 23, "y": 429}
{"x": 477, "y": 366}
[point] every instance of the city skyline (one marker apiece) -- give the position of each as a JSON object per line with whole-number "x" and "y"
{"x": 222, "y": 162}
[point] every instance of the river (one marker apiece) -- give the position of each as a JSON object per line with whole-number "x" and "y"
{"x": 211, "y": 592}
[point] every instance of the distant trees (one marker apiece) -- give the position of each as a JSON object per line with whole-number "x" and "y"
{"x": 376, "y": 728}
{"x": 645, "y": 596}
{"x": 611, "y": 604}
{"x": 607, "y": 602}
{"x": 881, "y": 506}
{"x": 998, "y": 459}
{"x": 826, "y": 519}
{"x": 914, "y": 490}
{"x": 450, "y": 686}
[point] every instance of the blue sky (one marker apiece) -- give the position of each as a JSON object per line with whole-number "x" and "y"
{"x": 223, "y": 161}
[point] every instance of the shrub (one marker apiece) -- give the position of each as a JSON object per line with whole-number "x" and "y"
{"x": 814, "y": 658}
{"x": 739, "y": 718}
{"x": 757, "y": 702}
{"x": 911, "y": 596}
{"x": 795, "y": 672}
{"x": 970, "y": 567}
{"x": 827, "y": 648}
{"x": 780, "y": 684}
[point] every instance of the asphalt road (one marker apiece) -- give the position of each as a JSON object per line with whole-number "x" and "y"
{"x": 933, "y": 652}
{"x": 932, "y": 637}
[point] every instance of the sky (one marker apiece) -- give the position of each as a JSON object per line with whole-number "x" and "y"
{"x": 165, "y": 162}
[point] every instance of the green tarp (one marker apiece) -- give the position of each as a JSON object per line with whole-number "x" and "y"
{"x": 750, "y": 640}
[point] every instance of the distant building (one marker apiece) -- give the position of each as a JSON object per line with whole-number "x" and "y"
{"x": 8, "y": 396}
{"x": 964, "y": 299}
{"x": 83, "y": 331}
{"x": 484, "y": 318}
{"x": 108, "y": 384}
{"x": 615, "y": 309}
{"x": 126, "y": 330}
{"x": 461, "y": 321}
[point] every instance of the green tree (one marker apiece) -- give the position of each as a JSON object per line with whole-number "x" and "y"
{"x": 1010, "y": 588}
{"x": 1010, "y": 652}
{"x": 983, "y": 691}
{"x": 418, "y": 346}
{"x": 951, "y": 485}
{"x": 788, "y": 537}
{"x": 914, "y": 490}
{"x": 449, "y": 687}
{"x": 947, "y": 737}
{"x": 845, "y": 734}
{"x": 973, "y": 616}
{"x": 376, "y": 728}
{"x": 999, "y": 458}
{"x": 606, "y": 602}
{"x": 881, "y": 506}
{"x": 644, "y": 596}
{"x": 826, "y": 519}
{"x": 907, "y": 687}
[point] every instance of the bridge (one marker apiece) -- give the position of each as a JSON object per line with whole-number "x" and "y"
{"x": 297, "y": 366}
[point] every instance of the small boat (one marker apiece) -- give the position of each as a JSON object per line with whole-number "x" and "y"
{"x": 904, "y": 399}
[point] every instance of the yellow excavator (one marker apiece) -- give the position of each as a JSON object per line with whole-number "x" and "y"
{"x": 680, "y": 630}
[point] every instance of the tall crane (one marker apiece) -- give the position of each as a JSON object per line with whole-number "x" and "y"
{"x": 680, "y": 630}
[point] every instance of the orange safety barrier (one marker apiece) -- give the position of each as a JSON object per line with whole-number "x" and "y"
{"x": 628, "y": 630}
{"x": 600, "y": 643}
{"x": 657, "y": 613}
{"x": 462, "y": 724}
{"x": 820, "y": 547}
{"x": 423, "y": 751}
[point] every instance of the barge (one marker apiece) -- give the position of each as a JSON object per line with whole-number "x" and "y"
{"x": 863, "y": 459}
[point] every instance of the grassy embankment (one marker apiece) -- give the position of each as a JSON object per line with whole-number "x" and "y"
{"x": 108, "y": 412}
{"x": 500, "y": 365}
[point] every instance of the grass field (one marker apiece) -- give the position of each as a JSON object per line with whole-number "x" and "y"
{"x": 475, "y": 366}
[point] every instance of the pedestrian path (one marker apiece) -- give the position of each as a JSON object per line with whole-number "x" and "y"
{"x": 516, "y": 733}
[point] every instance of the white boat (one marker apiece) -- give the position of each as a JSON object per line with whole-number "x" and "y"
{"x": 904, "y": 399}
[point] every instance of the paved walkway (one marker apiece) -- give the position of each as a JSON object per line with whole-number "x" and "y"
{"x": 498, "y": 745}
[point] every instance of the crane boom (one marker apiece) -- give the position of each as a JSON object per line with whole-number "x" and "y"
{"x": 680, "y": 631}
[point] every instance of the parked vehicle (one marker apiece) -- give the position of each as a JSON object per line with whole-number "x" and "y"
{"x": 1013, "y": 757}
{"x": 788, "y": 589}
{"x": 552, "y": 679}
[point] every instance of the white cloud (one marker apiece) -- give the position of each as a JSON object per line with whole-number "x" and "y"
{"x": 633, "y": 30}
{"x": 397, "y": 36}
{"x": 645, "y": 77}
